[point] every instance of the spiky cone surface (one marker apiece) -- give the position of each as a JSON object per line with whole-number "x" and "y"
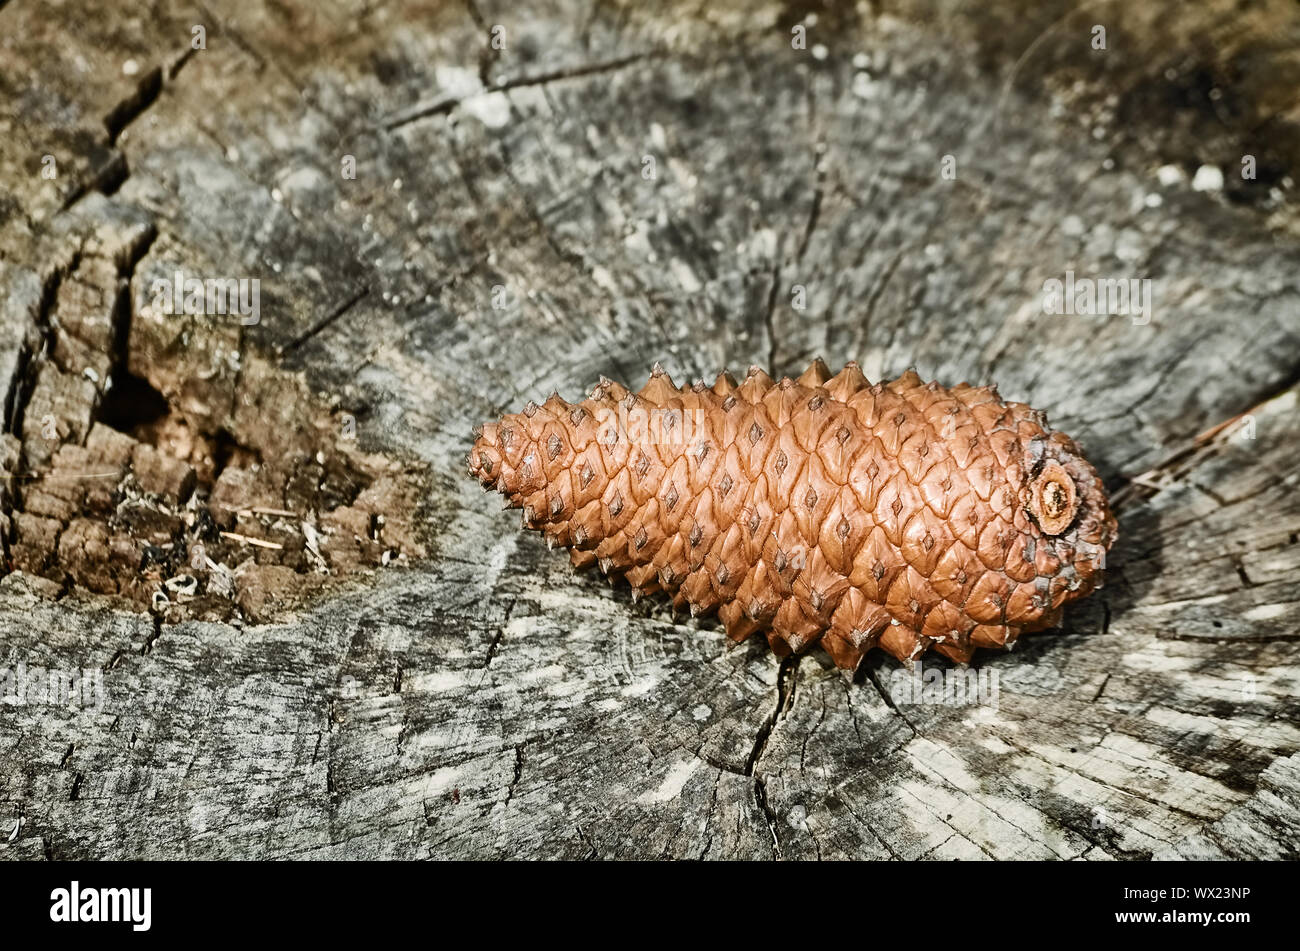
{"x": 823, "y": 510}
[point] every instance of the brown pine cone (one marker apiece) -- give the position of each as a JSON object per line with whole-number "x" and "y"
{"x": 825, "y": 509}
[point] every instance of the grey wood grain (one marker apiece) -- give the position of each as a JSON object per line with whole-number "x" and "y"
{"x": 487, "y": 701}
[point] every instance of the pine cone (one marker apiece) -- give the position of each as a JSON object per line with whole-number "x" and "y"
{"x": 820, "y": 510}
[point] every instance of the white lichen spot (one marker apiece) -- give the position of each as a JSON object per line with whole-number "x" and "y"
{"x": 1265, "y": 612}
{"x": 442, "y": 781}
{"x": 491, "y": 109}
{"x": 763, "y": 243}
{"x": 603, "y": 279}
{"x": 1208, "y": 178}
{"x": 638, "y": 242}
{"x": 671, "y": 787}
{"x": 640, "y": 687}
{"x": 456, "y": 82}
{"x": 1170, "y": 175}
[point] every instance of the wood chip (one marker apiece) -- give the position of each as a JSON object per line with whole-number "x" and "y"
{"x": 259, "y": 542}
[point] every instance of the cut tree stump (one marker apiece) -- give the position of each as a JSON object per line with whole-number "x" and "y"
{"x": 454, "y": 208}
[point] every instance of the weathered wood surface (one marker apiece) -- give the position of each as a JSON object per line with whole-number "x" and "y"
{"x": 487, "y": 701}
